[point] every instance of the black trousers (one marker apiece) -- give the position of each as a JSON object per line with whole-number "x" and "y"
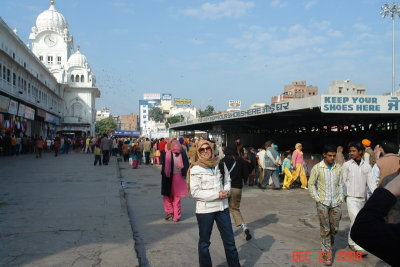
{"x": 147, "y": 155}
{"x": 97, "y": 158}
{"x": 106, "y": 157}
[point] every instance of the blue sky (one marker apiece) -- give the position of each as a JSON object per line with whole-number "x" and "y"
{"x": 215, "y": 51}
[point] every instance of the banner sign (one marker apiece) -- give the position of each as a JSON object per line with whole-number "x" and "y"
{"x": 152, "y": 96}
{"x": 21, "y": 110}
{"x": 4, "y": 103}
{"x": 360, "y": 104}
{"x": 167, "y": 97}
{"x": 126, "y": 133}
{"x": 29, "y": 113}
{"x": 52, "y": 119}
{"x": 13, "y": 107}
{"x": 182, "y": 102}
{"x": 249, "y": 112}
{"x": 235, "y": 103}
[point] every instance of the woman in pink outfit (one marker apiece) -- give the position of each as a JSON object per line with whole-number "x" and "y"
{"x": 173, "y": 184}
{"x": 298, "y": 166}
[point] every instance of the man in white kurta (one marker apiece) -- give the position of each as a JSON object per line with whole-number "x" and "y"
{"x": 357, "y": 176}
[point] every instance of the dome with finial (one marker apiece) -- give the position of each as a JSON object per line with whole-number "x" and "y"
{"x": 51, "y": 19}
{"x": 78, "y": 59}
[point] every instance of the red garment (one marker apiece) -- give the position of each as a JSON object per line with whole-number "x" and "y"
{"x": 161, "y": 145}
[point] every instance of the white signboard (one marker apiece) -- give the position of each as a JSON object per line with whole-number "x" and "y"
{"x": 235, "y": 103}
{"x": 21, "y": 110}
{"x": 13, "y": 107}
{"x": 152, "y": 96}
{"x": 360, "y": 104}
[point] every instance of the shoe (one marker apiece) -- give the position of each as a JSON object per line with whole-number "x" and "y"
{"x": 175, "y": 221}
{"x": 363, "y": 252}
{"x": 247, "y": 234}
{"x": 262, "y": 187}
{"x": 276, "y": 188}
{"x": 306, "y": 188}
{"x": 168, "y": 216}
{"x": 327, "y": 262}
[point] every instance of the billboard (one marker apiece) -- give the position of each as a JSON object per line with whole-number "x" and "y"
{"x": 152, "y": 96}
{"x": 235, "y": 104}
{"x": 360, "y": 104}
{"x": 21, "y": 110}
{"x": 4, "y": 103}
{"x": 182, "y": 102}
{"x": 13, "y": 107}
{"x": 167, "y": 97}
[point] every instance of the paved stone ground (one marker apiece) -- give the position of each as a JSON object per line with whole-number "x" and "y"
{"x": 281, "y": 221}
{"x": 63, "y": 212}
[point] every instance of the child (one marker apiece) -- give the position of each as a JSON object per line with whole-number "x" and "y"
{"x": 97, "y": 155}
{"x": 287, "y": 170}
{"x": 134, "y": 157}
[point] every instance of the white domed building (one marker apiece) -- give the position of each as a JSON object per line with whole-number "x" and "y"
{"x": 53, "y": 44}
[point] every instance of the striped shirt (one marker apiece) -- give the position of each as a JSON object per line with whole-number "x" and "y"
{"x": 326, "y": 185}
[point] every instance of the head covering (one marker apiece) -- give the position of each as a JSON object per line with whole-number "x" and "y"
{"x": 297, "y": 145}
{"x": 206, "y": 162}
{"x": 366, "y": 142}
{"x": 181, "y": 140}
{"x": 176, "y": 147}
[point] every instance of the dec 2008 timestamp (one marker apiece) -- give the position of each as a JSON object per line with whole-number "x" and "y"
{"x": 339, "y": 256}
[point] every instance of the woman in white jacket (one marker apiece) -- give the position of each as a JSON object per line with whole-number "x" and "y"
{"x": 211, "y": 190}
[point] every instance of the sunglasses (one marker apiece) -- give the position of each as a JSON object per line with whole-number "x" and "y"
{"x": 201, "y": 150}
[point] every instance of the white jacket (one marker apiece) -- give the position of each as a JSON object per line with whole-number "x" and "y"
{"x": 205, "y": 184}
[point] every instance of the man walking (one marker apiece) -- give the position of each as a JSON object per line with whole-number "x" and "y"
{"x": 147, "y": 148}
{"x": 271, "y": 163}
{"x": 105, "y": 146}
{"x": 357, "y": 175}
{"x": 326, "y": 188}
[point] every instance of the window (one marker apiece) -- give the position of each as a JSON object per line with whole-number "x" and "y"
{"x": 76, "y": 110}
{"x": 1, "y": 71}
{"x": 24, "y": 85}
{"x": 82, "y": 79}
{"x": 19, "y": 82}
{"x": 59, "y": 60}
{"x": 4, "y": 72}
{"x": 29, "y": 88}
{"x": 41, "y": 58}
{"x": 50, "y": 60}
{"x": 72, "y": 78}
{"x": 8, "y": 75}
{"x": 77, "y": 78}
{"x": 14, "y": 79}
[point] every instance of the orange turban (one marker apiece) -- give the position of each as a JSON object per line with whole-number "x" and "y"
{"x": 366, "y": 142}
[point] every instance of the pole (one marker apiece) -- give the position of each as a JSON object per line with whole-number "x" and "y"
{"x": 393, "y": 60}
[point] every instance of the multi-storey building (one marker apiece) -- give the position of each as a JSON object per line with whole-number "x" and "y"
{"x": 345, "y": 87}
{"x": 296, "y": 90}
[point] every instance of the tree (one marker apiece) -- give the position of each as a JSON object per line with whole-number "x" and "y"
{"x": 156, "y": 114}
{"x": 105, "y": 126}
{"x": 173, "y": 119}
{"x": 207, "y": 112}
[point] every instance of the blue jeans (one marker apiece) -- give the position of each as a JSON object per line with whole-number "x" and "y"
{"x": 206, "y": 222}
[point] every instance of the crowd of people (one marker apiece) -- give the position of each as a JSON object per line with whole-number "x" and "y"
{"x": 215, "y": 177}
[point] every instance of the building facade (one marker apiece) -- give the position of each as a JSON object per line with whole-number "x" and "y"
{"x": 53, "y": 44}
{"x": 345, "y": 87}
{"x": 129, "y": 122}
{"x": 31, "y": 102}
{"x": 296, "y": 90}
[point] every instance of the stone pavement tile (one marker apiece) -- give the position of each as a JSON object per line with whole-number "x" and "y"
{"x": 282, "y": 222}
{"x": 63, "y": 211}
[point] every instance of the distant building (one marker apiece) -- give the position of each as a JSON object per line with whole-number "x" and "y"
{"x": 345, "y": 87}
{"x": 129, "y": 122}
{"x": 189, "y": 113}
{"x": 296, "y": 90}
{"x": 103, "y": 114}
